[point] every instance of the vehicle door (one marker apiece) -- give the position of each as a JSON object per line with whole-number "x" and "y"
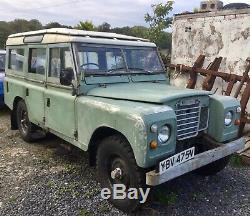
{"x": 59, "y": 102}
{"x": 35, "y": 82}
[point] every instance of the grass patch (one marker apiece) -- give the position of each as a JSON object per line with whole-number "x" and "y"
{"x": 236, "y": 161}
{"x": 103, "y": 208}
{"x": 51, "y": 184}
{"x": 197, "y": 196}
{"x": 84, "y": 212}
{"x": 167, "y": 199}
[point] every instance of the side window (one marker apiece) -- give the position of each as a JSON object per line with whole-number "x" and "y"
{"x": 16, "y": 59}
{"x": 37, "y": 61}
{"x": 60, "y": 59}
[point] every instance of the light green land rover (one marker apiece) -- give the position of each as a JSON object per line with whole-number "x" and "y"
{"x": 108, "y": 94}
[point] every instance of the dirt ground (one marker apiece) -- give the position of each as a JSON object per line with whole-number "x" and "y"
{"x": 43, "y": 178}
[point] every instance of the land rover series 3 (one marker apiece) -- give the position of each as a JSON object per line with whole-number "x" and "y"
{"x": 108, "y": 94}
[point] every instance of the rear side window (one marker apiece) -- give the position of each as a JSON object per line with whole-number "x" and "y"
{"x": 16, "y": 59}
{"x": 60, "y": 59}
{"x": 37, "y": 61}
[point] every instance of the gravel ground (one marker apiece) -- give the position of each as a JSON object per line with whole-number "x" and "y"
{"x": 43, "y": 178}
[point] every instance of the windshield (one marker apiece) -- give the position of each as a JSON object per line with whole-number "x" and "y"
{"x": 107, "y": 60}
{"x": 2, "y": 62}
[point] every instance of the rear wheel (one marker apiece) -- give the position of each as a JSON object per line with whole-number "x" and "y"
{"x": 25, "y": 127}
{"x": 116, "y": 165}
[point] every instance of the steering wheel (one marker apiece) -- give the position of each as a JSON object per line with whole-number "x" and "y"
{"x": 97, "y": 65}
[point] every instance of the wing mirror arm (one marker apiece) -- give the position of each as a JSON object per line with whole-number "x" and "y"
{"x": 74, "y": 90}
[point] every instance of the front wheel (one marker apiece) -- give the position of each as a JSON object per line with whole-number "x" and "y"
{"x": 116, "y": 165}
{"x": 25, "y": 127}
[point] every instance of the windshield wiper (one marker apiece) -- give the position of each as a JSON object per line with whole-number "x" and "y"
{"x": 115, "y": 70}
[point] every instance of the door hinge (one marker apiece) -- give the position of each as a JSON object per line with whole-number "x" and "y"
{"x": 27, "y": 92}
{"x": 44, "y": 119}
{"x": 7, "y": 86}
{"x": 76, "y": 135}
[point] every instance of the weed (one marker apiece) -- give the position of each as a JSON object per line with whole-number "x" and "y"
{"x": 103, "y": 208}
{"x": 167, "y": 199}
{"x": 84, "y": 212}
{"x": 236, "y": 161}
{"x": 51, "y": 184}
{"x": 197, "y": 196}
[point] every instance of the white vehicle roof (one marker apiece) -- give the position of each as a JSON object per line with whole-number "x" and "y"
{"x": 64, "y": 35}
{"x": 2, "y": 52}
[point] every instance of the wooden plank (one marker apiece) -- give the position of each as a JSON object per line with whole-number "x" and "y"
{"x": 193, "y": 75}
{"x": 210, "y": 79}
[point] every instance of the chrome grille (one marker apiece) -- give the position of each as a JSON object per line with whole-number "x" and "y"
{"x": 191, "y": 118}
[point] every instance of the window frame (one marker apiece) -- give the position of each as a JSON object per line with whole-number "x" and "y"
{"x": 83, "y": 75}
{"x": 7, "y": 61}
{"x": 35, "y": 76}
{"x": 55, "y": 80}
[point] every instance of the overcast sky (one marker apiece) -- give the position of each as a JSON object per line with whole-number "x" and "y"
{"x": 70, "y": 12}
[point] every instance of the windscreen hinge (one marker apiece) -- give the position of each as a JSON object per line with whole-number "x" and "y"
{"x": 76, "y": 135}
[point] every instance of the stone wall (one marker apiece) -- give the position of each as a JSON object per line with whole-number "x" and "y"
{"x": 213, "y": 34}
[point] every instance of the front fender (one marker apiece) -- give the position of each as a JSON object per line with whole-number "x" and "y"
{"x": 131, "y": 119}
{"x": 219, "y": 106}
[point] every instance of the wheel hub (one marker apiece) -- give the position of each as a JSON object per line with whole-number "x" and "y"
{"x": 24, "y": 120}
{"x": 116, "y": 174}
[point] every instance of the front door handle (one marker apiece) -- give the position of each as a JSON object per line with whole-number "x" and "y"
{"x": 48, "y": 102}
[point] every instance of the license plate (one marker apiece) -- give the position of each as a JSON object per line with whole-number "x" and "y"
{"x": 176, "y": 160}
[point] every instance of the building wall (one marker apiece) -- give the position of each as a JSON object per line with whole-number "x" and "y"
{"x": 213, "y": 34}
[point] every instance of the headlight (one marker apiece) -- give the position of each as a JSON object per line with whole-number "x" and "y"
{"x": 164, "y": 134}
{"x": 228, "y": 118}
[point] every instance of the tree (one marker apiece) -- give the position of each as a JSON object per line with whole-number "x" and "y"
{"x": 105, "y": 27}
{"x": 55, "y": 25}
{"x": 5, "y": 31}
{"x": 140, "y": 31}
{"x": 123, "y": 30}
{"x": 15, "y": 26}
{"x": 164, "y": 40}
{"x": 196, "y": 10}
{"x": 87, "y": 25}
{"x": 159, "y": 20}
{"x": 35, "y": 24}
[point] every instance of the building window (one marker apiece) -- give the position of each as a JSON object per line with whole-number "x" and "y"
{"x": 37, "y": 61}
{"x": 204, "y": 6}
{"x": 212, "y": 6}
{"x": 16, "y": 59}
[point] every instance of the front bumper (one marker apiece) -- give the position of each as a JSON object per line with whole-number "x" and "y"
{"x": 153, "y": 178}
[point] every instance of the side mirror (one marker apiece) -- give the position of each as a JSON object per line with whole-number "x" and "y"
{"x": 66, "y": 76}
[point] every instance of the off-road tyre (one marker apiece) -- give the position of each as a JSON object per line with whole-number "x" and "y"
{"x": 115, "y": 152}
{"x": 25, "y": 127}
